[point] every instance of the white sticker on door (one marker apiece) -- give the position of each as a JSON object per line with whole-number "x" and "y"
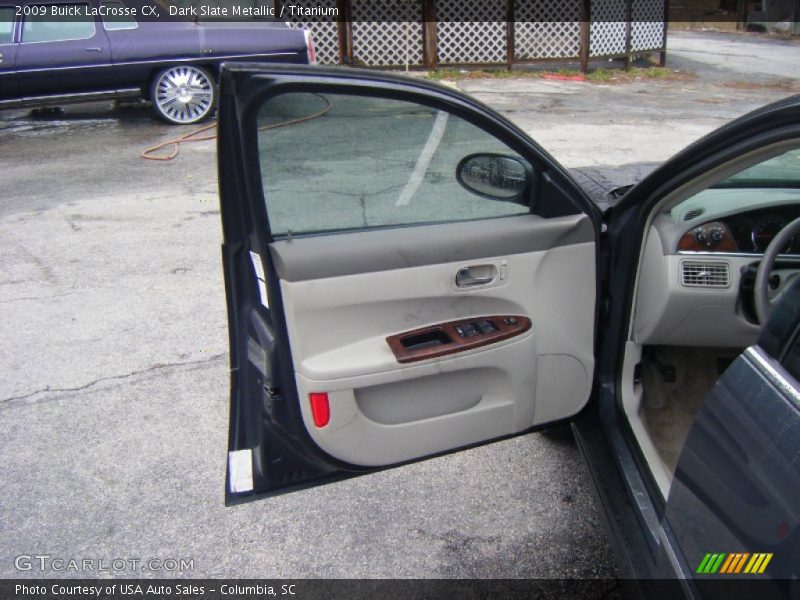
{"x": 262, "y": 282}
{"x": 240, "y": 468}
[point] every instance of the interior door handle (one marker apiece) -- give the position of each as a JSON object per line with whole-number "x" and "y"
{"x": 475, "y": 275}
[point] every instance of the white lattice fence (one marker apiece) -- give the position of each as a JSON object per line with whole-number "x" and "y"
{"x": 391, "y": 32}
{"x": 387, "y": 33}
{"x": 325, "y": 32}
{"x": 547, "y": 29}
{"x": 483, "y": 40}
{"x": 608, "y": 28}
{"x": 647, "y": 25}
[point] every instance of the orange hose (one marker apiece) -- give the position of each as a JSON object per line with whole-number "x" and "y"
{"x": 148, "y": 154}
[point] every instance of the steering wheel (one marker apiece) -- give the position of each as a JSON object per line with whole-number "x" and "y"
{"x": 763, "y": 302}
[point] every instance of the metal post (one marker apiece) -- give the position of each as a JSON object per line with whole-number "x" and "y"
{"x": 407, "y": 27}
{"x": 586, "y": 15}
{"x": 510, "y": 46}
{"x": 629, "y": 36}
{"x": 741, "y": 17}
{"x": 429, "y": 34}
{"x": 345, "y": 32}
{"x": 663, "y": 61}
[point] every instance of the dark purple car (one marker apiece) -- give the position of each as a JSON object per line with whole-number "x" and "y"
{"x": 63, "y": 51}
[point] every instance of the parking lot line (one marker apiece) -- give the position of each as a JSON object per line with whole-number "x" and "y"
{"x": 424, "y": 160}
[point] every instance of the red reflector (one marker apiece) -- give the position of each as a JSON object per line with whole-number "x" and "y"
{"x": 320, "y": 409}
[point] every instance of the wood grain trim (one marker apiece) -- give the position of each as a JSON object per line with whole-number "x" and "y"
{"x": 688, "y": 241}
{"x": 456, "y": 343}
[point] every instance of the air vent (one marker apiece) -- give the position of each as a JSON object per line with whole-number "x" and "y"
{"x": 707, "y": 275}
{"x": 693, "y": 214}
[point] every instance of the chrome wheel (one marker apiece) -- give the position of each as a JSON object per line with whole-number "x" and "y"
{"x": 183, "y": 94}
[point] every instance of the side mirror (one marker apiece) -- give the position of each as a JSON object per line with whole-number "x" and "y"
{"x": 496, "y": 176}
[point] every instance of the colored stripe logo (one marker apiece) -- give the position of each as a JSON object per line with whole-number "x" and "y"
{"x": 734, "y": 563}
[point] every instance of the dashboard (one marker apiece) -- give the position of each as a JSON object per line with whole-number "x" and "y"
{"x": 695, "y": 285}
{"x": 746, "y": 232}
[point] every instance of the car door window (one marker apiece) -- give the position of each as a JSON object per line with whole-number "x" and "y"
{"x": 791, "y": 361}
{"x": 780, "y": 171}
{"x": 46, "y": 28}
{"x": 337, "y": 162}
{"x": 6, "y": 25}
{"x": 116, "y": 17}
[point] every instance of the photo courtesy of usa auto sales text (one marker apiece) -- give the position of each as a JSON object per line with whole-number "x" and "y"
{"x": 138, "y": 590}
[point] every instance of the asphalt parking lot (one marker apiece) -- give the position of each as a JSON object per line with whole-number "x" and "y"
{"x": 114, "y": 361}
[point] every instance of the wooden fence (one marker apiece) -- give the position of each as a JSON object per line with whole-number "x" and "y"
{"x": 433, "y": 33}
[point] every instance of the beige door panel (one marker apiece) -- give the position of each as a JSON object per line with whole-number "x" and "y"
{"x": 362, "y": 430}
{"x": 383, "y": 411}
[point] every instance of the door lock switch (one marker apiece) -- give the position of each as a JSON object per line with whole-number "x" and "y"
{"x": 471, "y": 330}
{"x": 467, "y": 330}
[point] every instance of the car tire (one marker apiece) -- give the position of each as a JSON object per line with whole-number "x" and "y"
{"x": 183, "y": 94}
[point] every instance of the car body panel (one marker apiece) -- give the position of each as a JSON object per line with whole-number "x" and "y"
{"x": 8, "y": 33}
{"x": 121, "y": 61}
{"x": 72, "y": 66}
{"x": 136, "y": 57}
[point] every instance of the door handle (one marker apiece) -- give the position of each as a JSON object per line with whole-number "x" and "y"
{"x": 475, "y": 275}
{"x": 94, "y": 49}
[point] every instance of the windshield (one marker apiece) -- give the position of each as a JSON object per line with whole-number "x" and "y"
{"x": 780, "y": 172}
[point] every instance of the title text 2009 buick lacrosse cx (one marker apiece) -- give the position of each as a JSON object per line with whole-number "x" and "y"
{"x": 408, "y": 274}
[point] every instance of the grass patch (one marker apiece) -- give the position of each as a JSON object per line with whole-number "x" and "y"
{"x": 461, "y": 74}
{"x": 608, "y": 76}
{"x": 638, "y": 74}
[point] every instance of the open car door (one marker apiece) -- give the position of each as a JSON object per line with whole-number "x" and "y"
{"x": 407, "y": 274}
{"x": 692, "y": 440}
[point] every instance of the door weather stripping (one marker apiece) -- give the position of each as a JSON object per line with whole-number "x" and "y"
{"x": 777, "y": 375}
